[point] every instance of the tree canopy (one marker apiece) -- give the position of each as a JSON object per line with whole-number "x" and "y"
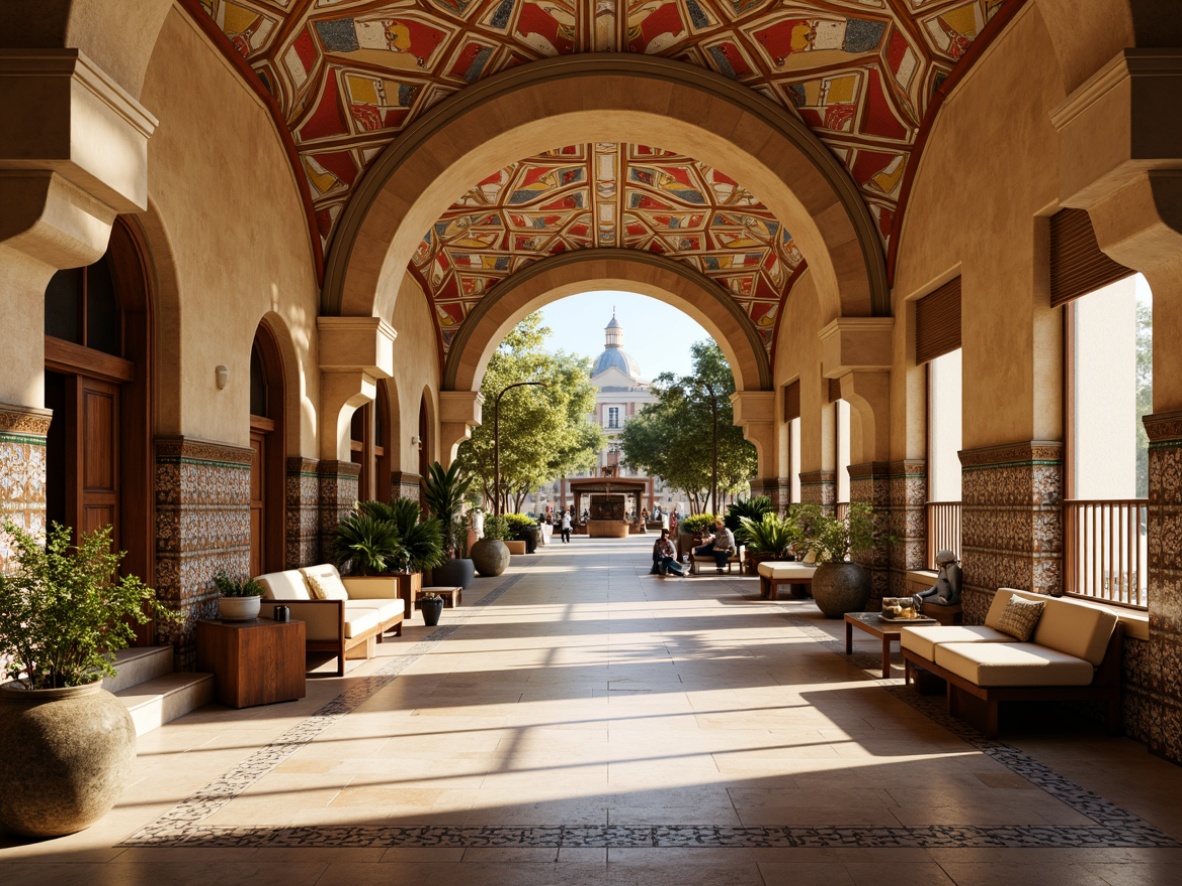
{"x": 545, "y": 432}
{"x": 673, "y": 438}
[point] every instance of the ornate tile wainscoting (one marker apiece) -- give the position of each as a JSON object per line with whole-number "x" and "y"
{"x": 778, "y": 489}
{"x": 202, "y": 525}
{"x": 404, "y": 484}
{"x": 303, "y": 512}
{"x": 908, "y": 525}
{"x": 870, "y": 484}
{"x": 22, "y": 469}
{"x": 819, "y": 488}
{"x": 1012, "y": 523}
{"x": 339, "y": 483}
{"x": 1157, "y": 683}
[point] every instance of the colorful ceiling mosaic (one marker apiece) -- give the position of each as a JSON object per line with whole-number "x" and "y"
{"x": 607, "y": 195}
{"x": 349, "y": 75}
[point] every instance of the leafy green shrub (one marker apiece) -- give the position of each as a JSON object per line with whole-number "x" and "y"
{"x": 443, "y": 493}
{"x": 834, "y": 539}
{"x": 497, "y": 528}
{"x": 751, "y": 508}
{"x": 698, "y": 523}
{"x": 771, "y": 534}
{"x": 242, "y": 587}
{"x": 519, "y": 525}
{"x": 367, "y": 545}
{"x": 65, "y": 612}
{"x": 421, "y": 539}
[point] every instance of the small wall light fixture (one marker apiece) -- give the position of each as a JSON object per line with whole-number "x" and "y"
{"x": 222, "y": 376}
{"x": 416, "y": 441}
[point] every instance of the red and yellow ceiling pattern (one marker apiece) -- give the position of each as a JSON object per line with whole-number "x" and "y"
{"x": 607, "y": 195}
{"x": 349, "y": 75}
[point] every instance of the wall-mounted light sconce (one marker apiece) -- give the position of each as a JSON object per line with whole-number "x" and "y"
{"x": 416, "y": 441}
{"x": 222, "y": 376}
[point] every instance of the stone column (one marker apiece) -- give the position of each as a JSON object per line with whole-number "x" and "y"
{"x": 819, "y": 488}
{"x": 202, "y": 525}
{"x": 303, "y": 512}
{"x": 870, "y": 483}
{"x": 1012, "y": 521}
{"x": 908, "y": 522}
{"x": 778, "y": 489}
{"x": 459, "y": 413}
{"x": 339, "y": 481}
{"x": 406, "y": 485}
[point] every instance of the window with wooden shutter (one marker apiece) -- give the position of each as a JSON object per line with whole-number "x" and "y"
{"x": 792, "y": 401}
{"x": 1077, "y": 264}
{"x": 937, "y": 322}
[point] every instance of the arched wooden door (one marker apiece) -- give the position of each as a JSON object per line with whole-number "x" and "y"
{"x": 268, "y": 510}
{"x": 98, "y": 359}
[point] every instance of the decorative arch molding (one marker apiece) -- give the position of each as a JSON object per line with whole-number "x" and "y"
{"x": 617, "y": 98}
{"x": 574, "y": 272}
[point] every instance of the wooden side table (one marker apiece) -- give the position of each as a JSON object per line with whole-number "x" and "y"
{"x": 888, "y": 632}
{"x": 253, "y": 662}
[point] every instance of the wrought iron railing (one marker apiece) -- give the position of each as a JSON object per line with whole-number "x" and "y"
{"x": 1105, "y": 550}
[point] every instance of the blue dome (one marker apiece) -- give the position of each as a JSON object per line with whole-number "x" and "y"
{"x": 614, "y": 357}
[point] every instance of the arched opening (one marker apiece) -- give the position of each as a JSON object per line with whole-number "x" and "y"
{"x": 98, "y": 359}
{"x": 268, "y": 513}
{"x": 370, "y": 447}
{"x": 424, "y": 436}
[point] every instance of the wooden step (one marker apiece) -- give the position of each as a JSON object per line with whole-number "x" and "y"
{"x": 165, "y": 698}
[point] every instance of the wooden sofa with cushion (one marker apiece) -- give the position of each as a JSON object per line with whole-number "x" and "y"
{"x": 773, "y": 573}
{"x": 345, "y": 616}
{"x": 1072, "y": 653}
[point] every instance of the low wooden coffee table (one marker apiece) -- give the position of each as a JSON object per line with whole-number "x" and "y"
{"x": 888, "y": 632}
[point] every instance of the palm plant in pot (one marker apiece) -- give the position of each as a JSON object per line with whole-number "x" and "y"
{"x": 239, "y": 599}
{"x": 771, "y": 537}
{"x": 66, "y": 745}
{"x": 367, "y": 545}
{"x": 839, "y": 586}
{"x": 444, "y": 492}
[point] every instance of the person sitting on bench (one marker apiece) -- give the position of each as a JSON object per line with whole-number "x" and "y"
{"x": 665, "y": 557}
{"x": 720, "y": 545}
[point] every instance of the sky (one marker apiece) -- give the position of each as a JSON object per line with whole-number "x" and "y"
{"x": 656, "y": 335}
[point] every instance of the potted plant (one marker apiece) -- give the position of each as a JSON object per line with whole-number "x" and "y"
{"x": 522, "y": 534}
{"x": 367, "y": 545}
{"x": 421, "y": 541}
{"x": 432, "y": 607}
{"x": 490, "y": 554}
{"x": 238, "y": 599}
{"x": 66, "y": 745}
{"x": 839, "y": 586}
{"x": 444, "y": 493}
{"x": 771, "y": 537}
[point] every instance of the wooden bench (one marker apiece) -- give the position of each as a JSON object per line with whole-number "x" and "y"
{"x": 773, "y": 573}
{"x": 736, "y": 558}
{"x": 451, "y": 596}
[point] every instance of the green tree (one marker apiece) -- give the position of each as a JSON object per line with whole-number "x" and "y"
{"x": 674, "y": 437}
{"x": 546, "y": 432}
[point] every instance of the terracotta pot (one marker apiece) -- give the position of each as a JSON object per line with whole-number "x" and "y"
{"x": 839, "y": 588}
{"x": 490, "y": 556}
{"x": 65, "y": 757}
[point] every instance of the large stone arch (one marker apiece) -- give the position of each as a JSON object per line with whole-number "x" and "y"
{"x": 614, "y": 98}
{"x": 574, "y": 272}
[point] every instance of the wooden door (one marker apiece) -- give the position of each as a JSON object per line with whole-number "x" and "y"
{"x": 260, "y": 429}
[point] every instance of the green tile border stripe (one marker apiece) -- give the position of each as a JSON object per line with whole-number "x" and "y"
{"x": 26, "y": 439}
{"x": 201, "y": 462}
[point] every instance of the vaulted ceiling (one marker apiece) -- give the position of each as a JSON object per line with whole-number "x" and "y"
{"x": 349, "y": 75}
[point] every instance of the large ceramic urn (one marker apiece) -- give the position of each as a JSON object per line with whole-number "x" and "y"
{"x": 65, "y": 757}
{"x": 491, "y": 557}
{"x": 839, "y": 588}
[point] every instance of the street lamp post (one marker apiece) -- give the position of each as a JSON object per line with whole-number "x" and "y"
{"x": 497, "y": 441}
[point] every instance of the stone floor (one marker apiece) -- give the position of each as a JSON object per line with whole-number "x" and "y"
{"x": 580, "y": 722}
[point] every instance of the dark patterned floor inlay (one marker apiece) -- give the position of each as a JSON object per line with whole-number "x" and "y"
{"x": 1113, "y": 827}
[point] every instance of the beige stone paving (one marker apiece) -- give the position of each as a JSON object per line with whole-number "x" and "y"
{"x": 593, "y": 694}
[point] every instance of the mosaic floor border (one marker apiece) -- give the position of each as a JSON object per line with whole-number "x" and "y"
{"x": 1113, "y": 826}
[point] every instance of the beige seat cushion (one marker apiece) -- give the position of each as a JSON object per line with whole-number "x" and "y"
{"x": 1013, "y": 664}
{"x": 359, "y": 619}
{"x": 288, "y": 585}
{"x": 324, "y": 582}
{"x": 386, "y": 609}
{"x": 781, "y": 570}
{"x": 923, "y": 639}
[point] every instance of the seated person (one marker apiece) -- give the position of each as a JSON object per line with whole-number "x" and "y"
{"x": 947, "y": 587}
{"x": 720, "y": 545}
{"x": 665, "y": 557}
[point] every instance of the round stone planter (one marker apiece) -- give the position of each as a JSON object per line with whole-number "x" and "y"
{"x": 490, "y": 556}
{"x": 431, "y": 609}
{"x": 839, "y": 588}
{"x": 65, "y": 757}
{"x": 454, "y": 573}
{"x": 239, "y": 608}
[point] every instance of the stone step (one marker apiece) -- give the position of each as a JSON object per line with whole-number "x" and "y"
{"x": 162, "y": 699}
{"x": 138, "y": 665}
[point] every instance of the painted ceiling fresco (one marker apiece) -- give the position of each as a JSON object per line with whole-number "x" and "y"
{"x": 608, "y": 195}
{"x": 350, "y": 75}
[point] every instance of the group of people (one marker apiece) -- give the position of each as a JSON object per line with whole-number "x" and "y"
{"x": 719, "y": 545}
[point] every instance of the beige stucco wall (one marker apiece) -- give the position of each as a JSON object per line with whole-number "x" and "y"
{"x": 225, "y": 199}
{"x": 986, "y": 177}
{"x": 416, "y": 368}
{"x": 798, "y": 355}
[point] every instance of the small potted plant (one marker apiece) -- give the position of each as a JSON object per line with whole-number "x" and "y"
{"x": 432, "y": 607}
{"x": 840, "y": 586}
{"x": 238, "y": 599}
{"x": 66, "y": 745}
{"x": 443, "y": 493}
